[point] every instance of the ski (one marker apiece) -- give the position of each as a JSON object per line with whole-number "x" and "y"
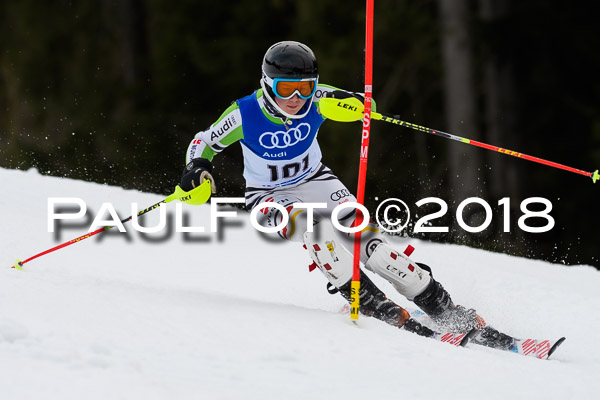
{"x": 452, "y": 338}
{"x": 412, "y": 325}
{"x": 490, "y": 337}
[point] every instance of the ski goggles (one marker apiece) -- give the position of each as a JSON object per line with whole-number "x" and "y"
{"x": 286, "y": 88}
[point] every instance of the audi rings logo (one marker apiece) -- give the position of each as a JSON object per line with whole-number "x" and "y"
{"x": 340, "y": 194}
{"x": 283, "y": 139}
{"x": 372, "y": 245}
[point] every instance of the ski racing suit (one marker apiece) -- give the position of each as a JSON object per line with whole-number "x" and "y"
{"x": 282, "y": 165}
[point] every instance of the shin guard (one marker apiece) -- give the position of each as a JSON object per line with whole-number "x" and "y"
{"x": 335, "y": 262}
{"x": 407, "y": 277}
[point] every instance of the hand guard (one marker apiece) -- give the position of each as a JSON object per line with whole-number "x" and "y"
{"x": 195, "y": 173}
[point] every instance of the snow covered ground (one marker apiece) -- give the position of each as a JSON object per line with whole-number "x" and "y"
{"x": 234, "y": 316}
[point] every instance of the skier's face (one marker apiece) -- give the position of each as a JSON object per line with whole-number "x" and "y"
{"x": 292, "y": 105}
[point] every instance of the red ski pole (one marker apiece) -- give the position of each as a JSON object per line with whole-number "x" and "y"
{"x": 199, "y": 195}
{"x": 351, "y": 109}
{"x": 19, "y": 264}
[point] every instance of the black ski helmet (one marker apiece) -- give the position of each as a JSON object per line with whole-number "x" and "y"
{"x": 291, "y": 60}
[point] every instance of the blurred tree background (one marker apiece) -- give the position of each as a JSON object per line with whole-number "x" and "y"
{"x": 113, "y": 91}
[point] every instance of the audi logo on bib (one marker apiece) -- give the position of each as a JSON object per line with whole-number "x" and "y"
{"x": 284, "y": 139}
{"x": 340, "y": 194}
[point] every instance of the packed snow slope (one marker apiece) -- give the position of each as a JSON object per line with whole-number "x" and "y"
{"x": 235, "y": 316}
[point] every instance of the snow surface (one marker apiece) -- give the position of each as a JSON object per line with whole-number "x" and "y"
{"x": 235, "y": 316}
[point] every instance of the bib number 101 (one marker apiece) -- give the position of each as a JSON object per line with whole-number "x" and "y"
{"x": 287, "y": 171}
{"x": 504, "y": 203}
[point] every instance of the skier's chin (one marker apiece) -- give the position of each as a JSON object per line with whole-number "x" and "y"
{"x": 292, "y": 110}
{"x": 291, "y": 107}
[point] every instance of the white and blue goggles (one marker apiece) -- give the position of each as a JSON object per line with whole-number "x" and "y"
{"x": 286, "y": 88}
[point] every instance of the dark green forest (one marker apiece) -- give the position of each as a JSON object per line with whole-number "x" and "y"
{"x": 113, "y": 91}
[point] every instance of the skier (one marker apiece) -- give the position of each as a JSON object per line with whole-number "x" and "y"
{"x": 277, "y": 128}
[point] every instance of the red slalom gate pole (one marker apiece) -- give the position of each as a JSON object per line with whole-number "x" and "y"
{"x": 364, "y": 153}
